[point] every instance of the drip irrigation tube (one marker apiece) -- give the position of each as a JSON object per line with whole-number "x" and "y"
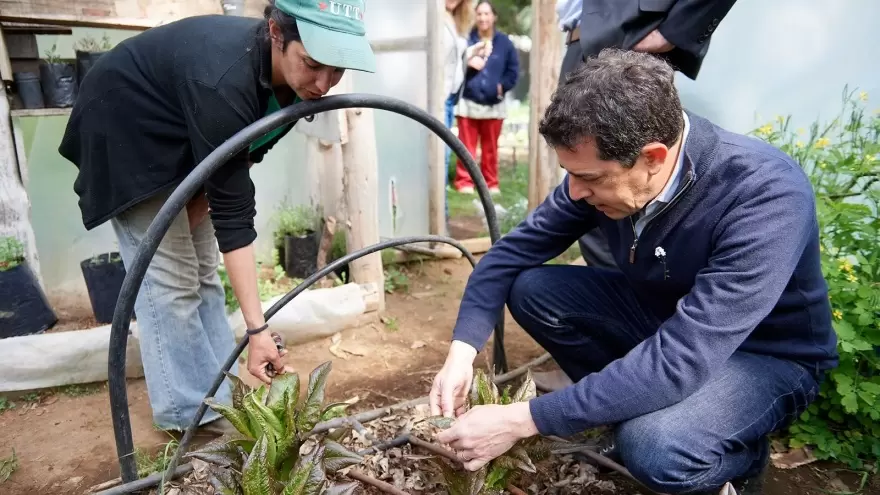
{"x": 177, "y": 201}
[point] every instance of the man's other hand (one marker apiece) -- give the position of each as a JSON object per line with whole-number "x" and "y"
{"x": 486, "y": 432}
{"x": 654, "y": 42}
{"x": 197, "y": 210}
{"x": 453, "y": 382}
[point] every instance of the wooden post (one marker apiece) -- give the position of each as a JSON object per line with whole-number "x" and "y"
{"x": 361, "y": 192}
{"x": 15, "y": 207}
{"x": 545, "y": 59}
{"x": 436, "y": 107}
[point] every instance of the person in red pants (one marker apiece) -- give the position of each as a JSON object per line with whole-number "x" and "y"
{"x": 493, "y": 70}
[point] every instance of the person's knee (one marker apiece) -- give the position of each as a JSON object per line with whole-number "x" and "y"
{"x": 527, "y": 298}
{"x": 659, "y": 455}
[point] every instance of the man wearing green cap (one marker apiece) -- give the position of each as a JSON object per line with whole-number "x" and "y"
{"x": 150, "y": 111}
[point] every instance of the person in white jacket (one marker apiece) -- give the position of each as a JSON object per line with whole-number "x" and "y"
{"x": 458, "y": 21}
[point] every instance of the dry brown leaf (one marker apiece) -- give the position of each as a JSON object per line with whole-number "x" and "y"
{"x": 793, "y": 458}
{"x": 355, "y": 349}
{"x": 336, "y": 351}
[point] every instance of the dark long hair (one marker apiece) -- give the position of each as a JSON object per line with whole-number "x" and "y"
{"x": 286, "y": 22}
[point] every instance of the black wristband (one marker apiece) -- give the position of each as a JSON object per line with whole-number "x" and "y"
{"x": 257, "y": 330}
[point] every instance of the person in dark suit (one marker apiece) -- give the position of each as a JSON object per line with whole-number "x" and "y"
{"x": 677, "y": 31}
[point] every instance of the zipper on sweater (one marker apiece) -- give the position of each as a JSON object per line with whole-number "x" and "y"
{"x": 687, "y": 185}
{"x": 632, "y": 250}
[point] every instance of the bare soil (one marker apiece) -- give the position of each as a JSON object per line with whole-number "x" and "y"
{"x": 64, "y": 439}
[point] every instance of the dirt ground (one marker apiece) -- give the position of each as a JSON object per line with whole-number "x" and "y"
{"x": 64, "y": 439}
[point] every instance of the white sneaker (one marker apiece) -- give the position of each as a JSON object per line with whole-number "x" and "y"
{"x": 466, "y": 190}
{"x": 494, "y": 191}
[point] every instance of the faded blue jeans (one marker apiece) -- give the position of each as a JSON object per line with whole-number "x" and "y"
{"x": 181, "y": 314}
{"x": 587, "y": 317}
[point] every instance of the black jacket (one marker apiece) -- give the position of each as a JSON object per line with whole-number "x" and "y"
{"x": 156, "y": 105}
{"x": 687, "y": 24}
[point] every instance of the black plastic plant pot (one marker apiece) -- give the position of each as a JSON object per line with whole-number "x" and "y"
{"x": 301, "y": 255}
{"x": 84, "y": 62}
{"x": 58, "y": 81}
{"x": 103, "y": 275}
{"x": 29, "y": 89}
{"x": 24, "y": 309}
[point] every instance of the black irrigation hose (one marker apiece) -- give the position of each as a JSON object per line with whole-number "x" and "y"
{"x": 175, "y": 203}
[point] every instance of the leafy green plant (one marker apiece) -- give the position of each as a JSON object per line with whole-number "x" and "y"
{"x": 276, "y": 451}
{"x": 90, "y": 45}
{"x": 52, "y": 56}
{"x": 297, "y": 221}
{"x": 493, "y": 478}
{"x": 11, "y": 253}
{"x": 841, "y": 159}
{"x": 98, "y": 259}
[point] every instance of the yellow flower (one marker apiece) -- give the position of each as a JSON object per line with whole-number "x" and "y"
{"x": 781, "y": 119}
{"x": 799, "y": 144}
{"x": 863, "y": 96}
{"x": 837, "y": 314}
{"x": 765, "y": 129}
{"x": 870, "y": 158}
{"x": 845, "y": 266}
{"x": 822, "y": 142}
{"x": 801, "y": 131}
{"x": 822, "y": 164}
{"x": 852, "y": 278}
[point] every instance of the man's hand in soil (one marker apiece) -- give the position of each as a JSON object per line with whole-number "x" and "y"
{"x": 453, "y": 382}
{"x": 261, "y": 352}
{"x": 486, "y": 432}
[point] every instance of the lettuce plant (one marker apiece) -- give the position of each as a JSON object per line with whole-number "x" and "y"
{"x": 276, "y": 452}
{"x": 493, "y": 478}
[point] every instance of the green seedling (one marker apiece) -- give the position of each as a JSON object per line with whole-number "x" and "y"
{"x": 494, "y": 477}
{"x": 274, "y": 425}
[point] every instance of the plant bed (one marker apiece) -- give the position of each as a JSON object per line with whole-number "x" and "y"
{"x": 387, "y": 450}
{"x": 103, "y": 274}
{"x": 24, "y": 309}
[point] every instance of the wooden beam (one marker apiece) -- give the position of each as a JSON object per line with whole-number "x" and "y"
{"x": 436, "y": 107}
{"x": 545, "y": 59}
{"x": 5, "y": 63}
{"x": 41, "y": 112}
{"x": 411, "y": 44}
{"x": 15, "y": 207}
{"x": 361, "y": 192}
{"x": 129, "y": 24}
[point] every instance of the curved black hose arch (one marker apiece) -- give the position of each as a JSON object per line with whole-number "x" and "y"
{"x": 187, "y": 188}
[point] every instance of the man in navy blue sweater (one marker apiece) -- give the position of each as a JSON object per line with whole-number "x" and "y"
{"x": 716, "y": 331}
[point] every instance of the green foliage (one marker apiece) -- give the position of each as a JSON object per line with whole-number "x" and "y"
{"x": 11, "y": 253}
{"x": 297, "y": 221}
{"x": 90, "y": 45}
{"x": 494, "y": 477}
{"x": 51, "y": 55}
{"x": 514, "y": 16}
{"x": 842, "y": 161}
{"x": 275, "y": 427}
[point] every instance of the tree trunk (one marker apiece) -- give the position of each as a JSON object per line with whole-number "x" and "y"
{"x": 545, "y": 60}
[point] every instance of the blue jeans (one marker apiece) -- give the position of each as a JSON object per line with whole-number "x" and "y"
{"x": 182, "y": 326}
{"x": 588, "y": 317}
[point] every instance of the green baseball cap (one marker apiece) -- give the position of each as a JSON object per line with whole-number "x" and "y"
{"x": 332, "y": 32}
